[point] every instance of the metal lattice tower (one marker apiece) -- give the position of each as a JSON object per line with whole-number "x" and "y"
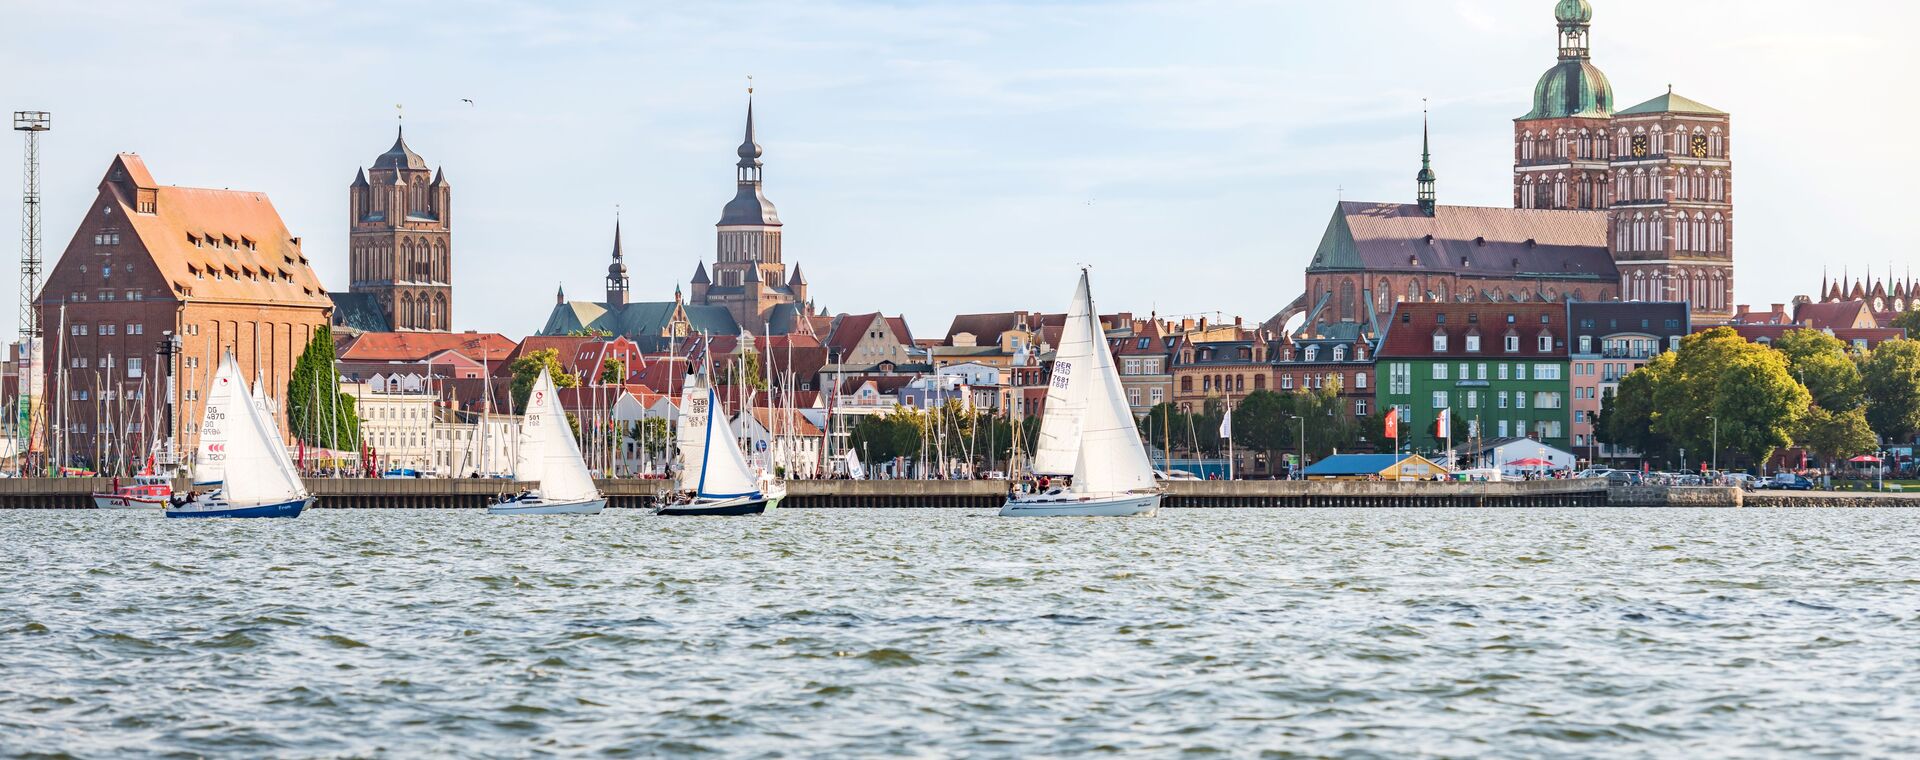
{"x": 31, "y": 124}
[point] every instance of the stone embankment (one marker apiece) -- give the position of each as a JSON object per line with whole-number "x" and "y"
{"x": 402, "y": 493}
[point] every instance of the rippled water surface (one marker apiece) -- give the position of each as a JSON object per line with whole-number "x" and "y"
{"x": 851, "y": 633}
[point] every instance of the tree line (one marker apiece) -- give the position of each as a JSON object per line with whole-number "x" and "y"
{"x": 1807, "y": 389}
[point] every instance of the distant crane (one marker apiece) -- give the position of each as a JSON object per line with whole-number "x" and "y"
{"x": 31, "y": 124}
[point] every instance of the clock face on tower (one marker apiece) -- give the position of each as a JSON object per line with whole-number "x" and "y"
{"x": 1699, "y": 146}
{"x": 1640, "y": 146}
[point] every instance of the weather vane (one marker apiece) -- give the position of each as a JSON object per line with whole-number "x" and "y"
{"x": 749, "y": 84}
{"x": 399, "y": 112}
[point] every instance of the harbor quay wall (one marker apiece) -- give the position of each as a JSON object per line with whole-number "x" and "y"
{"x": 408, "y": 493}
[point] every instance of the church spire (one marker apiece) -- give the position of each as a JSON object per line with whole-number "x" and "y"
{"x": 1425, "y": 179}
{"x": 617, "y": 271}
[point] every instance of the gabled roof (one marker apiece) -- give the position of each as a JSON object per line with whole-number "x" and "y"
{"x": 638, "y": 320}
{"x": 1355, "y": 464}
{"x": 1672, "y": 103}
{"x": 412, "y": 346}
{"x": 359, "y": 312}
{"x": 1413, "y": 327}
{"x": 791, "y": 421}
{"x": 1834, "y": 314}
{"x": 244, "y": 252}
{"x": 1497, "y": 243}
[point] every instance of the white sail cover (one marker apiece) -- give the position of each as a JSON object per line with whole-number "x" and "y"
{"x": 551, "y": 449}
{"x": 691, "y": 431}
{"x": 257, "y": 468}
{"x": 723, "y": 469}
{"x": 210, "y": 457}
{"x": 1067, "y": 392}
{"x": 1111, "y": 458}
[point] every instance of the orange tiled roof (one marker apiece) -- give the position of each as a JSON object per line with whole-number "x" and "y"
{"x": 243, "y": 252}
{"x": 411, "y": 346}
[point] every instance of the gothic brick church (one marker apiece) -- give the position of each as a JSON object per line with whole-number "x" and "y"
{"x": 748, "y": 289}
{"x": 400, "y": 249}
{"x": 1633, "y": 204}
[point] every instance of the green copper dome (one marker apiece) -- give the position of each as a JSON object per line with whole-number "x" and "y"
{"x": 1573, "y": 12}
{"x": 1573, "y": 88}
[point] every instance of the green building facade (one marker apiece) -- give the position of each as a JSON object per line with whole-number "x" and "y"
{"x": 1502, "y": 370}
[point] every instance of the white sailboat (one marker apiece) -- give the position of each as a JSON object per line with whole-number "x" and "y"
{"x": 714, "y": 477}
{"x": 258, "y": 480}
{"x": 1087, "y": 431}
{"x": 210, "y": 456}
{"x": 549, "y": 455}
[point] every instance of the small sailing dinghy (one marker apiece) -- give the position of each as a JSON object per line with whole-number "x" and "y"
{"x": 258, "y": 479}
{"x": 1087, "y": 431}
{"x": 714, "y": 477}
{"x": 549, "y": 454}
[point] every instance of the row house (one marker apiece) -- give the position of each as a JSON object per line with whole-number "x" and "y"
{"x": 1500, "y": 368}
{"x": 1143, "y": 355}
{"x": 782, "y": 441}
{"x": 1610, "y": 341}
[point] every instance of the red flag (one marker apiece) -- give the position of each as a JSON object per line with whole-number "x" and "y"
{"x": 1393, "y": 423}
{"x": 1443, "y": 424}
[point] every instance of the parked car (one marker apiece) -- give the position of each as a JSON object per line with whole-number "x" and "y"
{"x": 1788, "y": 481}
{"x": 1623, "y": 478}
{"x": 1594, "y": 472}
{"x": 1741, "y": 480}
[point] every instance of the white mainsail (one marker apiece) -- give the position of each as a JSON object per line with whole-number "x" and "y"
{"x": 691, "y": 431}
{"x": 1073, "y": 381}
{"x": 548, "y": 452}
{"x": 711, "y": 463}
{"x": 210, "y": 456}
{"x": 1111, "y": 458}
{"x": 257, "y": 468}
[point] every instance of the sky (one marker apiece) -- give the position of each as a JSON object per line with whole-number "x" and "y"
{"x": 951, "y": 156}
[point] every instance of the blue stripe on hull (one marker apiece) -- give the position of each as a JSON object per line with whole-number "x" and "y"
{"x": 283, "y": 509}
{"x": 725, "y": 510}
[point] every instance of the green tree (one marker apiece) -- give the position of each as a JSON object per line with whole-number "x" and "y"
{"x": 745, "y": 370}
{"x": 1825, "y": 365}
{"x": 588, "y": 332}
{"x": 613, "y": 371}
{"x": 1626, "y": 416}
{"x": 1909, "y": 321}
{"x": 1746, "y": 387}
{"x": 526, "y": 371}
{"x": 1261, "y": 422}
{"x": 317, "y": 411}
{"x": 1891, "y": 378}
{"x": 1835, "y": 436}
{"x": 896, "y": 433}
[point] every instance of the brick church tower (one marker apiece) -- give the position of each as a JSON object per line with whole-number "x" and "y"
{"x": 1560, "y": 148}
{"x": 401, "y": 240}
{"x": 1671, "y": 227}
{"x": 749, "y": 276}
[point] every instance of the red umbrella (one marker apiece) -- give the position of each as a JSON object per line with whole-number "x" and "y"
{"x": 1865, "y": 459}
{"x": 1529, "y": 462}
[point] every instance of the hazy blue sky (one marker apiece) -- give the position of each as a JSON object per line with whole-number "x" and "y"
{"x": 942, "y": 157}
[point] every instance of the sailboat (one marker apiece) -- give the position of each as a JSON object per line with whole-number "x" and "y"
{"x": 258, "y": 479}
{"x": 1087, "y": 431}
{"x": 549, "y": 455}
{"x": 714, "y": 477}
{"x": 210, "y": 456}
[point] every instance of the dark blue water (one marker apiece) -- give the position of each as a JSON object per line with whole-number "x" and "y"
{"x": 1263, "y": 633}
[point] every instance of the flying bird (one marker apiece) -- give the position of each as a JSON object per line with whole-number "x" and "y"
{"x": 468, "y": 101}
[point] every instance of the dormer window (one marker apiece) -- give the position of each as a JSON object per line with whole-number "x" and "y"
{"x": 1546, "y": 342}
{"x": 1339, "y": 353}
{"x": 1473, "y": 343}
{"x": 1313, "y": 353}
{"x": 1439, "y": 340}
{"x": 1513, "y": 343}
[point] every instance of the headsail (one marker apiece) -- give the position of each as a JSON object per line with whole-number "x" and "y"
{"x": 692, "y": 431}
{"x": 723, "y": 469}
{"x": 257, "y": 468}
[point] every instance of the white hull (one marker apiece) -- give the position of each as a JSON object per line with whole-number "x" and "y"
{"x": 106, "y": 501}
{"x": 538, "y": 507}
{"x": 1069, "y": 505}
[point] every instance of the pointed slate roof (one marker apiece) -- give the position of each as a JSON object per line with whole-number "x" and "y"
{"x": 700, "y": 274}
{"x": 359, "y": 178}
{"x": 400, "y": 156}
